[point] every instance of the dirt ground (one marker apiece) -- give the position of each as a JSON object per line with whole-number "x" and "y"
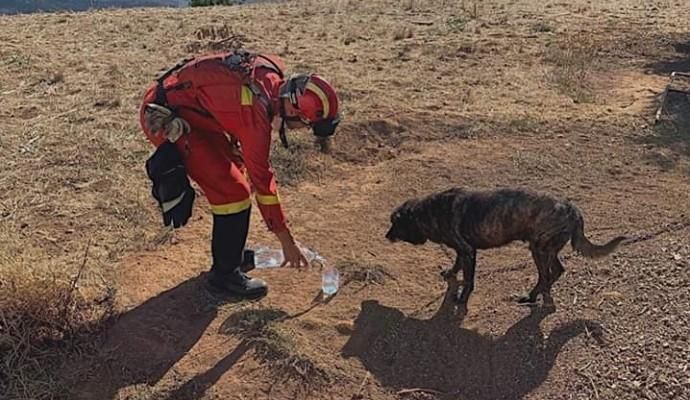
{"x": 551, "y": 95}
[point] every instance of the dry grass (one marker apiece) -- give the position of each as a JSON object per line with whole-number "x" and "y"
{"x": 44, "y": 319}
{"x": 575, "y": 60}
{"x": 215, "y": 37}
{"x": 276, "y": 346}
{"x": 403, "y": 32}
{"x": 366, "y": 274}
{"x": 296, "y": 163}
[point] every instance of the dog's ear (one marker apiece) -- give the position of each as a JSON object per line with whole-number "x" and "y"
{"x": 408, "y": 208}
{"x": 398, "y": 213}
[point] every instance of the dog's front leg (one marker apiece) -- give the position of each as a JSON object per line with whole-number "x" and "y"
{"x": 462, "y": 251}
{"x": 451, "y": 273}
{"x": 466, "y": 261}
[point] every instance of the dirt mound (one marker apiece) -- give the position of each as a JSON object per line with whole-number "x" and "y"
{"x": 376, "y": 140}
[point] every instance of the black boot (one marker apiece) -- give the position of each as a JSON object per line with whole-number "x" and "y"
{"x": 227, "y": 246}
{"x": 238, "y": 284}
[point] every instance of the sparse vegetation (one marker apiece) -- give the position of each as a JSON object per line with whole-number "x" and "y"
{"x": 43, "y": 321}
{"x": 575, "y": 60}
{"x": 295, "y": 163}
{"x": 456, "y": 23}
{"x": 275, "y": 345}
{"x": 403, "y": 32}
{"x": 543, "y": 26}
{"x": 364, "y": 273}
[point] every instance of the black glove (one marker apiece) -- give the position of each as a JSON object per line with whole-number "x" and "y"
{"x": 171, "y": 187}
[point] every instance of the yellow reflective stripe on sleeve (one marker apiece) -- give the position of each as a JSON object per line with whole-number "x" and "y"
{"x": 246, "y": 97}
{"x": 231, "y": 208}
{"x": 322, "y": 96}
{"x": 267, "y": 200}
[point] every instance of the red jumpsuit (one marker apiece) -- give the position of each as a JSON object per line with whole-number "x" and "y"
{"x": 214, "y": 101}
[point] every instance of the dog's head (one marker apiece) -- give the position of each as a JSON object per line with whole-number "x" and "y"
{"x": 404, "y": 225}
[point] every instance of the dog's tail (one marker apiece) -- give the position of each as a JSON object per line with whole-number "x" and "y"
{"x": 583, "y": 246}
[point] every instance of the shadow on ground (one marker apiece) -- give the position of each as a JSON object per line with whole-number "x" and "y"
{"x": 679, "y": 61}
{"x": 144, "y": 344}
{"x": 439, "y": 356}
{"x": 668, "y": 141}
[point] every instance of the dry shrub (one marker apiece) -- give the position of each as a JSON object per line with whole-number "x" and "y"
{"x": 293, "y": 164}
{"x": 364, "y": 273}
{"x": 43, "y": 321}
{"x": 543, "y": 26}
{"x": 574, "y": 59}
{"x": 276, "y": 345}
{"x": 216, "y": 38}
{"x": 403, "y": 32}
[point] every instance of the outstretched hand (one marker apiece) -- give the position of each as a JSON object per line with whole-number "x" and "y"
{"x": 293, "y": 256}
{"x": 291, "y": 252}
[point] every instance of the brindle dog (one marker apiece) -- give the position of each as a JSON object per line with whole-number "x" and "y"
{"x": 471, "y": 220}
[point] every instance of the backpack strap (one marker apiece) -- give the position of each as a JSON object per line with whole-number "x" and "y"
{"x": 239, "y": 61}
{"x": 160, "y": 79}
{"x": 246, "y": 64}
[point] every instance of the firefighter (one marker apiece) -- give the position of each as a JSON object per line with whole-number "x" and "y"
{"x": 211, "y": 119}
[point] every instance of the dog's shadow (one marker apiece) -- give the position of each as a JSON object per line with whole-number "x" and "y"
{"x": 439, "y": 356}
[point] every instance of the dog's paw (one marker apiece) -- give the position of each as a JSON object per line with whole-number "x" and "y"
{"x": 525, "y": 300}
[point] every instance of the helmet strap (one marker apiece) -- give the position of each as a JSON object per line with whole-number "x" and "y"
{"x": 283, "y": 125}
{"x": 283, "y": 136}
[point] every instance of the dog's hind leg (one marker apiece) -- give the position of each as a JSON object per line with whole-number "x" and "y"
{"x": 555, "y": 267}
{"x": 469, "y": 265}
{"x": 555, "y": 271}
{"x": 541, "y": 259}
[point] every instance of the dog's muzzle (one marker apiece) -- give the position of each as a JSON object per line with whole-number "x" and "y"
{"x": 391, "y": 236}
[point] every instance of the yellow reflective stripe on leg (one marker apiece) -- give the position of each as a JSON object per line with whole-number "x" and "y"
{"x": 267, "y": 200}
{"x": 231, "y": 208}
{"x": 246, "y": 97}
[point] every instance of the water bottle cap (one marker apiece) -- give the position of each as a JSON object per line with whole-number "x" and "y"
{"x": 319, "y": 262}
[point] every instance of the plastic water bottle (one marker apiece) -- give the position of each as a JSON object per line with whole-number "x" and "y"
{"x": 330, "y": 278}
{"x": 265, "y": 257}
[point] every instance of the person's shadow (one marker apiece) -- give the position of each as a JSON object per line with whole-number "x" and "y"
{"x": 437, "y": 355}
{"x": 142, "y": 345}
